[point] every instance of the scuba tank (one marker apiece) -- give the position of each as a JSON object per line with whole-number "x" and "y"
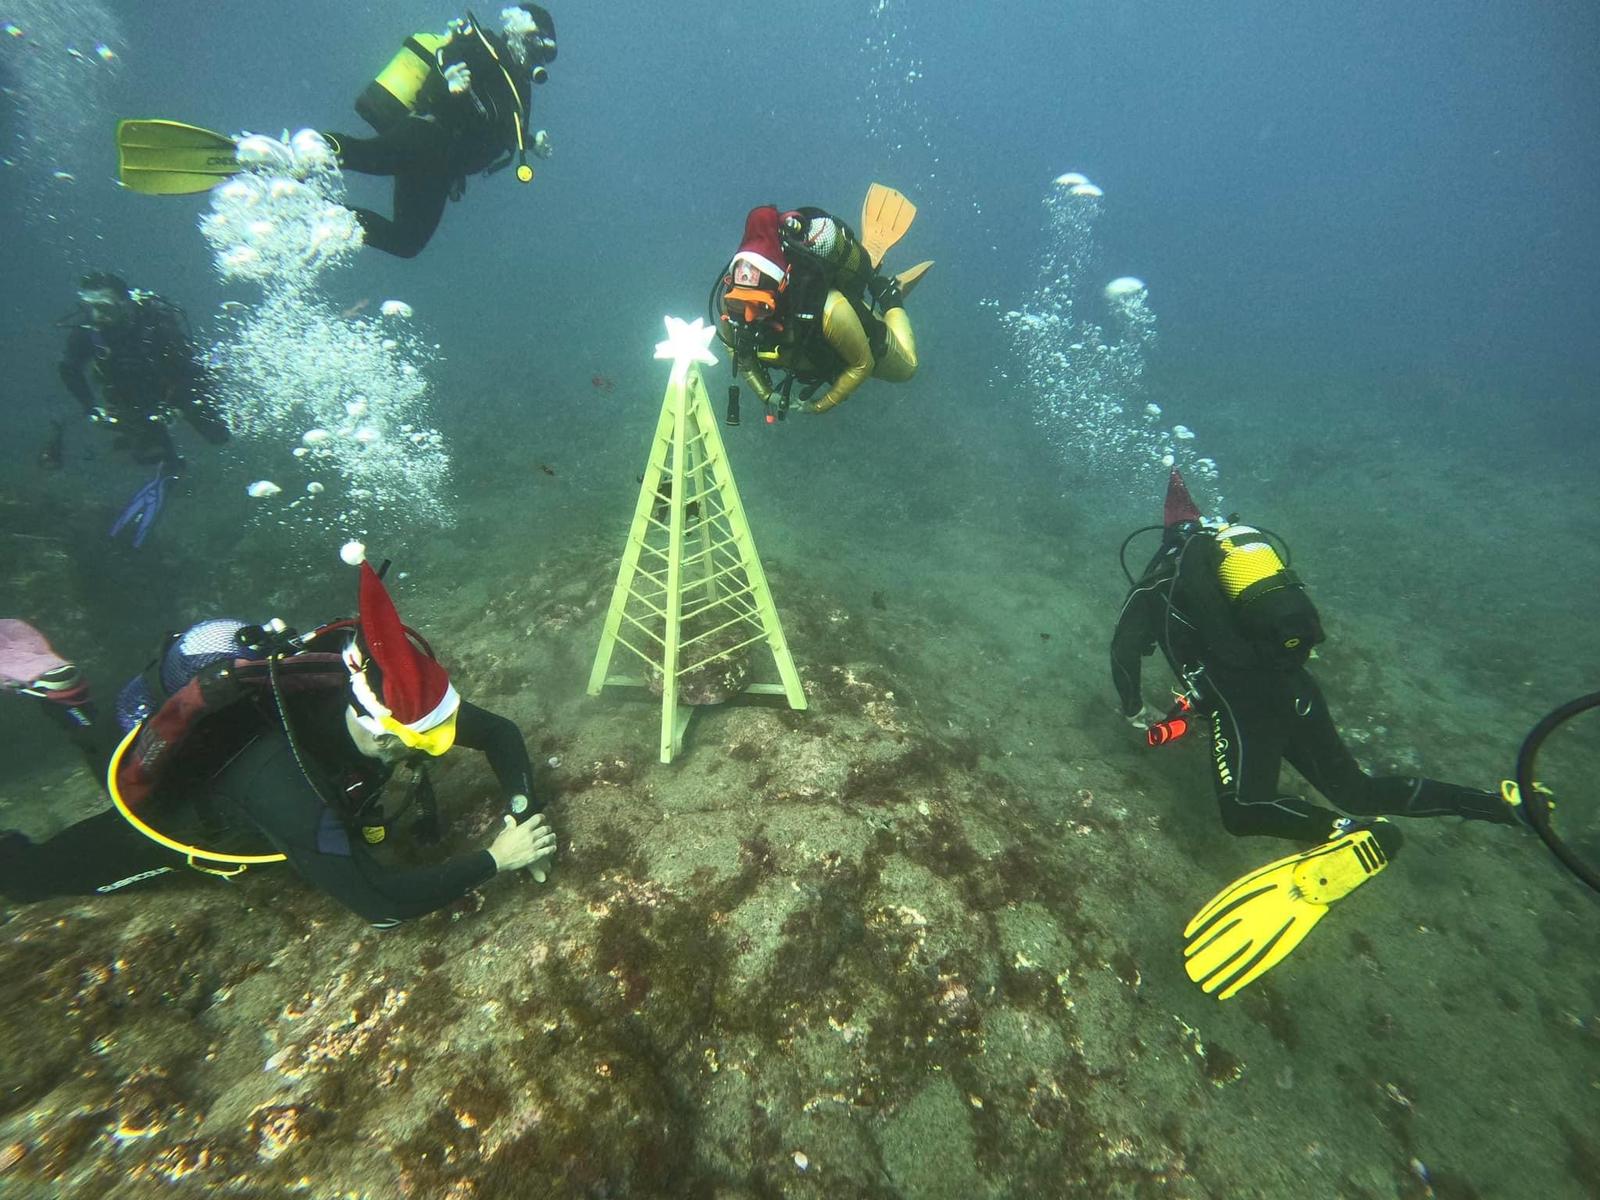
{"x": 831, "y": 245}
{"x": 402, "y": 87}
{"x": 1268, "y": 599}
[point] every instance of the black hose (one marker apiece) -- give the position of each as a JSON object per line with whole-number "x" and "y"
{"x": 1122, "y": 554}
{"x": 712, "y": 313}
{"x": 1288, "y": 555}
{"x": 1534, "y": 802}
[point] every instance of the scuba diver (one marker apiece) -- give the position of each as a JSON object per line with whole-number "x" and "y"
{"x": 1237, "y": 628}
{"x": 447, "y": 105}
{"x": 259, "y": 746}
{"x": 137, "y": 348}
{"x": 793, "y": 299}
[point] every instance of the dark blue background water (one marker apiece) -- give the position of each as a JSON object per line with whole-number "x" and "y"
{"x": 1367, "y": 187}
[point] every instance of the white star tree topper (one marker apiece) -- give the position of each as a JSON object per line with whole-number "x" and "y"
{"x": 687, "y": 344}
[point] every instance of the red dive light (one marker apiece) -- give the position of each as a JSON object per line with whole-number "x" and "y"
{"x": 1166, "y": 731}
{"x": 1175, "y": 725}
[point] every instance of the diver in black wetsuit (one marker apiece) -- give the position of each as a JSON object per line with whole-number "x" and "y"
{"x": 448, "y": 106}
{"x": 139, "y": 352}
{"x": 1238, "y": 628}
{"x": 301, "y": 782}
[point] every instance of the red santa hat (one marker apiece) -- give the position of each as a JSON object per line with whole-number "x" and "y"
{"x": 1180, "y": 506}
{"x": 762, "y": 246}
{"x": 408, "y": 693}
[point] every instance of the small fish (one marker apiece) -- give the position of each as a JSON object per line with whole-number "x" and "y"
{"x": 356, "y": 309}
{"x": 73, "y": 52}
{"x": 1044, "y": 637}
{"x": 601, "y": 383}
{"x": 546, "y": 469}
{"x": 50, "y": 456}
{"x": 64, "y": 176}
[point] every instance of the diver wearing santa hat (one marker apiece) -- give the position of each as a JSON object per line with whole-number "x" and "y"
{"x": 257, "y": 746}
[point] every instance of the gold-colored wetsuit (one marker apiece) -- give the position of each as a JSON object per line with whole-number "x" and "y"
{"x": 847, "y": 337}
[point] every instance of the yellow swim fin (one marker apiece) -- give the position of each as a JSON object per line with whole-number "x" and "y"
{"x": 1252, "y": 924}
{"x": 169, "y": 158}
{"x": 911, "y": 276}
{"x": 885, "y": 217}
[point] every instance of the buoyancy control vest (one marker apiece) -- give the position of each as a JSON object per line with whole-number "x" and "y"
{"x": 213, "y": 705}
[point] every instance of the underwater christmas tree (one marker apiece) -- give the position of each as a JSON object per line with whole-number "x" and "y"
{"x": 691, "y": 602}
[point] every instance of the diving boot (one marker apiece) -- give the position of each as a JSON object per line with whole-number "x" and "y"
{"x": 1514, "y": 811}
{"x": 257, "y": 151}
{"x": 59, "y": 685}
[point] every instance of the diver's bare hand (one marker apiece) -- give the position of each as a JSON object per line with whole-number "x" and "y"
{"x": 530, "y": 844}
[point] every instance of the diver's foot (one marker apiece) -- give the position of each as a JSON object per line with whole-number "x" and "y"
{"x": 1385, "y": 832}
{"x": 1513, "y": 811}
{"x": 313, "y": 151}
{"x": 59, "y": 685}
{"x": 258, "y": 151}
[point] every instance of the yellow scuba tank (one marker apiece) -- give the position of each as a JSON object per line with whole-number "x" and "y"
{"x": 1247, "y": 559}
{"x": 1268, "y": 598}
{"x": 401, "y": 87}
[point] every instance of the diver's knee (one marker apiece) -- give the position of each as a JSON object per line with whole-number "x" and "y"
{"x": 910, "y": 368}
{"x": 406, "y": 247}
{"x": 900, "y": 359}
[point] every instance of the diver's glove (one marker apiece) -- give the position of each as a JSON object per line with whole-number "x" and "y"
{"x": 530, "y": 844}
{"x": 458, "y": 78}
{"x": 541, "y": 144}
{"x": 886, "y": 292}
{"x": 1144, "y": 718}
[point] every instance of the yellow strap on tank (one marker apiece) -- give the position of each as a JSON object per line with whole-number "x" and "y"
{"x": 191, "y": 853}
